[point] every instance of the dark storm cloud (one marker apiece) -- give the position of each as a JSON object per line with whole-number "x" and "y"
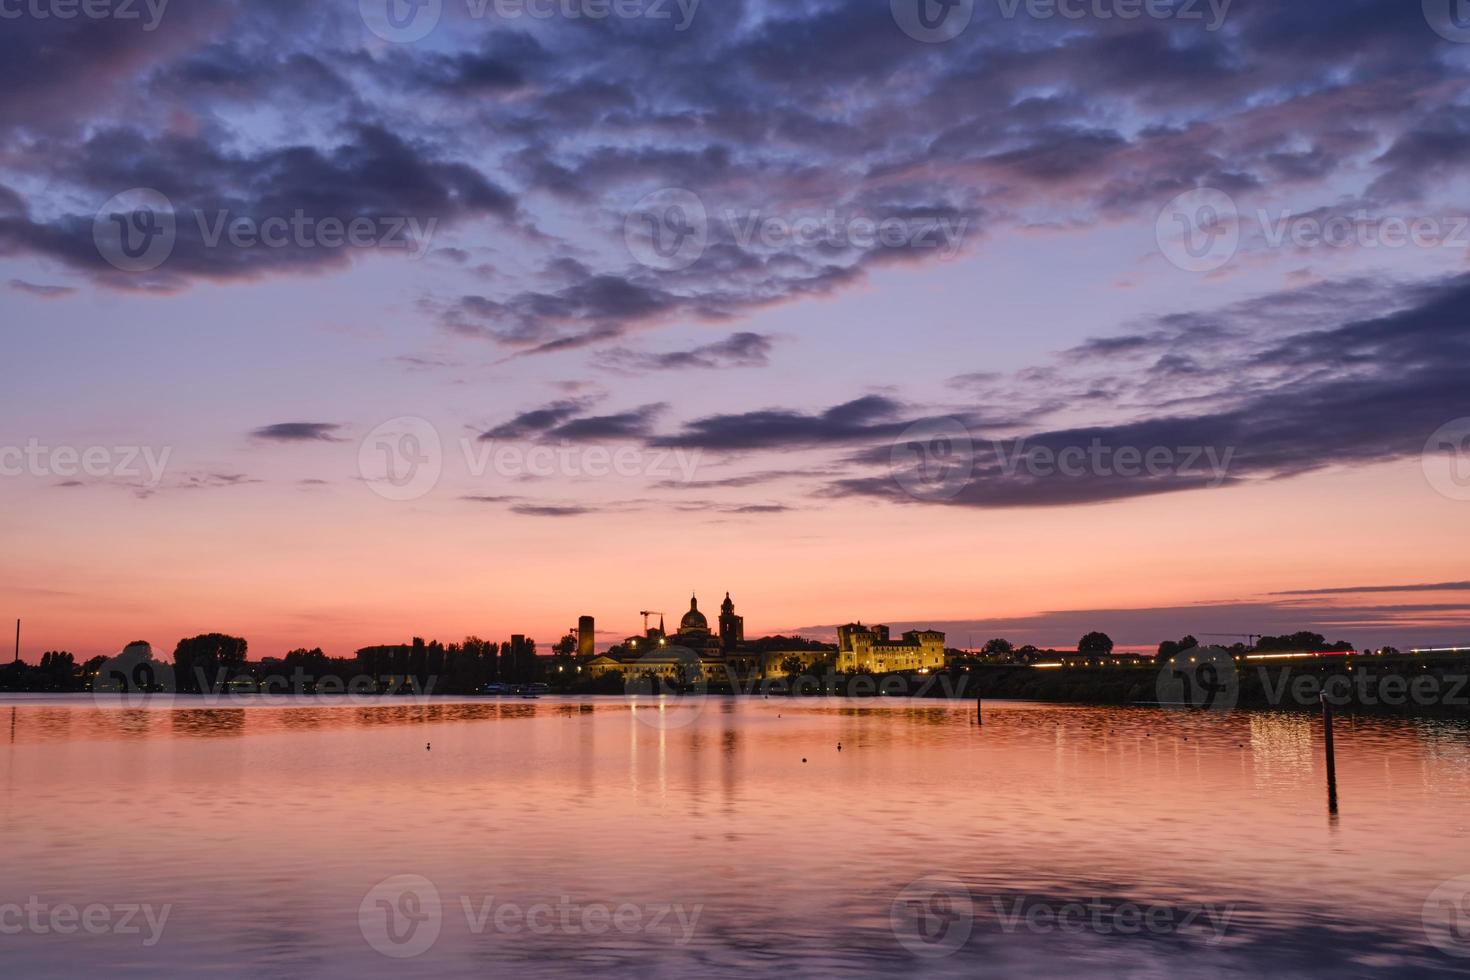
{"x": 299, "y": 432}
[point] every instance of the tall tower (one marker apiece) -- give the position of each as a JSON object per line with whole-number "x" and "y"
{"x": 586, "y": 637}
{"x": 732, "y": 627}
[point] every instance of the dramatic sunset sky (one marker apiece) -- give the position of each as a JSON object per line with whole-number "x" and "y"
{"x": 765, "y": 394}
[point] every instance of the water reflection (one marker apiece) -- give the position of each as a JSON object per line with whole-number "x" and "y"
{"x": 266, "y": 826}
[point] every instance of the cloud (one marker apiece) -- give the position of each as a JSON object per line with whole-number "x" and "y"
{"x": 551, "y": 510}
{"x": 299, "y": 432}
{"x": 744, "y": 349}
{"x": 39, "y": 289}
{"x": 633, "y": 424}
{"x": 1357, "y": 589}
{"x": 538, "y": 420}
{"x": 866, "y": 418}
{"x": 398, "y": 191}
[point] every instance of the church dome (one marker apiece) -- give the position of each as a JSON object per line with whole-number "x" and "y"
{"x": 693, "y": 621}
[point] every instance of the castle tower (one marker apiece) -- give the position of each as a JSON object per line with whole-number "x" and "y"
{"x": 732, "y": 627}
{"x": 586, "y": 637}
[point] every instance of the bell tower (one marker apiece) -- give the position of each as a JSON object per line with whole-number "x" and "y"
{"x": 732, "y": 627}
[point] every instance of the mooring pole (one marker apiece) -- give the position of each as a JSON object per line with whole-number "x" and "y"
{"x": 979, "y": 710}
{"x": 1331, "y": 754}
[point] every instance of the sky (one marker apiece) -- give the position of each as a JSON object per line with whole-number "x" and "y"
{"x": 338, "y": 323}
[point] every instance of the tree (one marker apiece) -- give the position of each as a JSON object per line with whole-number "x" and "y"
{"x": 207, "y": 661}
{"x": 793, "y": 667}
{"x": 1095, "y": 643}
{"x": 997, "y": 648}
{"x": 1170, "y": 649}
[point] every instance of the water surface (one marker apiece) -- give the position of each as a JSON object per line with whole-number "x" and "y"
{"x": 720, "y": 837}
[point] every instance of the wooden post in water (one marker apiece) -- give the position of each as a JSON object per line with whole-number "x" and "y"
{"x": 979, "y": 710}
{"x": 1331, "y": 755}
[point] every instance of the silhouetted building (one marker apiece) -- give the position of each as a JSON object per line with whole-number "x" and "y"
{"x": 732, "y": 627}
{"x": 586, "y": 637}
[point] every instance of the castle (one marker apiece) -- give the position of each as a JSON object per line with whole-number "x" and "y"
{"x": 694, "y": 650}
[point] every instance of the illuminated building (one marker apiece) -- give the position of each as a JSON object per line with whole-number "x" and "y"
{"x": 870, "y": 650}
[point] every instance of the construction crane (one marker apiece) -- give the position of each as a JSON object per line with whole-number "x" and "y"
{"x": 1250, "y": 638}
{"x": 645, "y": 613}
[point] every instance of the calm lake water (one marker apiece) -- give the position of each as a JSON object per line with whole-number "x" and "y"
{"x": 716, "y": 837}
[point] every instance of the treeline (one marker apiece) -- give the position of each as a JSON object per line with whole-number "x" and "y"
{"x": 1000, "y": 650}
{"x": 214, "y": 662}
